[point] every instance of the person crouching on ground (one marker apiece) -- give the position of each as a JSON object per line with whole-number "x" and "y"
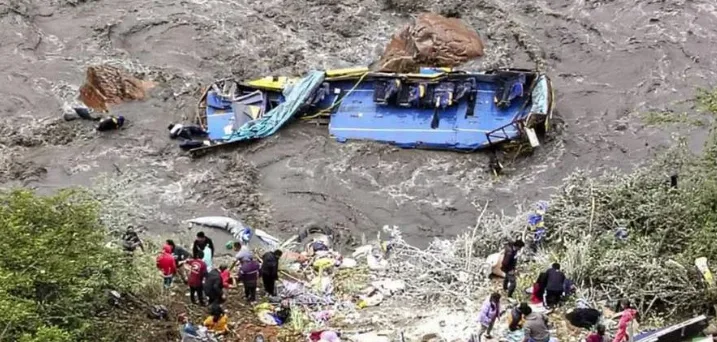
{"x": 249, "y": 276}
{"x": 598, "y": 335}
{"x": 110, "y": 123}
{"x": 488, "y": 314}
{"x": 167, "y": 265}
{"x": 270, "y": 271}
{"x": 516, "y": 320}
{"x": 535, "y": 327}
{"x": 197, "y": 273}
{"x": 217, "y": 320}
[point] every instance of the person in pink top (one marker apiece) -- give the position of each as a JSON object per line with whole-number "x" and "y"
{"x": 628, "y": 315}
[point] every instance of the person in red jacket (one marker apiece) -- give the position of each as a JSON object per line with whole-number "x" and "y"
{"x": 166, "y": 265}
{"x": 197, "y": 273}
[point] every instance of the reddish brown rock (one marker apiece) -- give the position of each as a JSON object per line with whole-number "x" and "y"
{"x": 107, "y": 85}
{"x": 432, "y": 40}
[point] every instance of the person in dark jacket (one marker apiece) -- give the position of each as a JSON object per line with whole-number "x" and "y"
{"x": 554, "y": 285}
{"x": 201, "y": 242}
{"x": 270, "y": 271}
{"x": 181, "y": 256}
{"x": 110, "y": 123}
{"x": 213, "y": 287}
{"x": 185, "y": 131}
{"x": 516, "y": 316}
{"x": 510, "y": 261}
{"x": 249, "y": 276}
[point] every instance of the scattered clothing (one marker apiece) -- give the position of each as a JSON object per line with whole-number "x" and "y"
{"x": 539, "y": 288}
{"x": 536, "y": 327}
{"x": 84, "y": 113}
{"x": 583, "y": 317}
{"x": 319, "y": 246}
{"x": 217, "y": 326}
{"x": 166, "y": 264}
{"x": 110, "y": 123}
{"x": 186, "y": 131}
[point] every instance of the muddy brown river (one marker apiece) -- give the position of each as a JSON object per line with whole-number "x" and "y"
{"x": 609, "y": 61}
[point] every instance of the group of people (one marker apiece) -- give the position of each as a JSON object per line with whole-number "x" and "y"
{"x": 549, "y": 290}
{"x": 207, "y": 284}
{"x": 535, "y": 324}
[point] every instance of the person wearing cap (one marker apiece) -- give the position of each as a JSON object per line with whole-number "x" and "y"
{"x": 201, "y": 242}
{"x": 110, "y": 123}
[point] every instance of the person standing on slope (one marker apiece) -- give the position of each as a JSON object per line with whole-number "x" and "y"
{"x": 167, "y": 266}
{"x": 510, "y": 261}
{"x": 197, "y": 273}
{"x": 270, "y": 271}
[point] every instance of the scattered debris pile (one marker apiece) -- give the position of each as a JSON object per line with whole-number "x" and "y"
{"x": 107, "y": 85}
{"x": 432, "y": 40}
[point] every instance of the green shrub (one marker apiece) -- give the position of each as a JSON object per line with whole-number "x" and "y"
{"x": 54, "y": 267}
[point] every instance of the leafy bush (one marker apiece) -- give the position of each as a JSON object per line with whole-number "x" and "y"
{"x": 55, "y": 269}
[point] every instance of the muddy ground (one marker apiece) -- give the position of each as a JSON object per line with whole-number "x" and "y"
{"x": 609, "y": 60}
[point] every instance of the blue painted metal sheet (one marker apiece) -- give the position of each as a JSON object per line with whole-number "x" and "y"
{"x": 360, "y": 118}
{"x": 220, "y": 121}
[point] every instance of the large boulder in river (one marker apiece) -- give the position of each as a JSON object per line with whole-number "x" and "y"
{"x": 106, "y": 85}
{"x": 431, "y": 41}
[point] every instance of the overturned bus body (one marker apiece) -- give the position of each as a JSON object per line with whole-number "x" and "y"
{"x": 437, "y": 108}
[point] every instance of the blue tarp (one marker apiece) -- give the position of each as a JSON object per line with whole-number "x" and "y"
{"x": 267, "y": 125}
